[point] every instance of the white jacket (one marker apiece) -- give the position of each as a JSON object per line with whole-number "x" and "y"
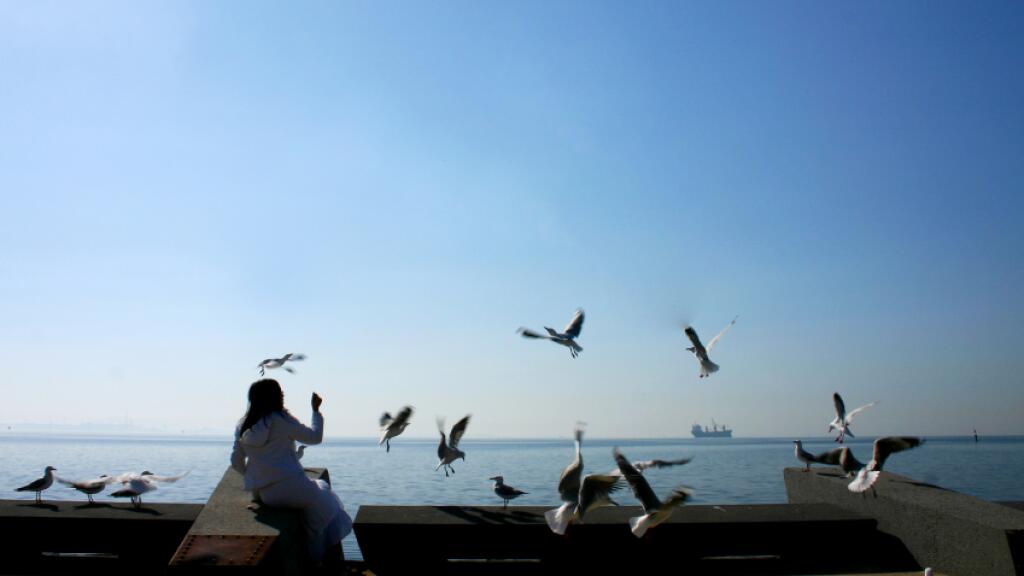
{"x": 265, "y": 453}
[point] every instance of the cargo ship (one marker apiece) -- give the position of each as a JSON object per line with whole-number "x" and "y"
{"x": 715, "y": 431}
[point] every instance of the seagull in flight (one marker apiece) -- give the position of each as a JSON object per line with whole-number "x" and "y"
{"x": 580, "y": 494}
{"x": 135, "y": 485}
{"x": 448, "y": 452}
{"x": 566, "y": 337}
{"x": 645, "y": 464}
{"x": 89, "y": 487}
{"x": 393, "y": 426}
{"x": 40, "y": 484}
{"x": 504, "y": 491}
{"x": 707, "y": 367}
{"x": 271, "y": 363}
{"x": 843, "y": 418}
{"x": 656, "y": 511}
{"x": 884, "y": 447}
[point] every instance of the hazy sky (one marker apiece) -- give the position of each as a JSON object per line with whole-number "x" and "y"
{"x": 393, "y": 188}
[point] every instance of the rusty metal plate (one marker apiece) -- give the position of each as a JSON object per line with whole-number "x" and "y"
{"x": 211, "y": 550}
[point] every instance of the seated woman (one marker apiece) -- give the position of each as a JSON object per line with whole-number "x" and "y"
{"x": 264, "y": 452}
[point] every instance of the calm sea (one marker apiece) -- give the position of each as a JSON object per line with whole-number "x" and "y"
{"x": 723, "y": 471}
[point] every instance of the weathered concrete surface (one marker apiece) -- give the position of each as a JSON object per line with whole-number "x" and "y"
{"x": 951, "y": 532}
{"x": 233, "y": 531}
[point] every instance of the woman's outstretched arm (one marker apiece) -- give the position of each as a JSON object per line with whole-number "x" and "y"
{"x": 308, "y": 434}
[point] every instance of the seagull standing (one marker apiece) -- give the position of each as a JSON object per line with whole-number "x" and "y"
{"x": 449, "y": 452}
{"x": 803, "y": 455}
{"x": 580, "y": 495}
{"x": 504, "y": 491}
{"x": 566, "y": 338}
{"x": 842, "y": 420}
{"x": 40, "y": 484}
{"x": 89, "y": 487}
{"x": 707, "y": 367}
{"x": 884, "y": 447}
{"x": 271, "y": 363}
{"x": 393, "y": 426}
{"x": 655, "y": 510}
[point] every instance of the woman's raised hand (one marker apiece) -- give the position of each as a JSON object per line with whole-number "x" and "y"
{"x": 316, "y": 401}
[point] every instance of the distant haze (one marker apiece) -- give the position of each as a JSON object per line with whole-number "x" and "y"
{"x": 394, "y": 188}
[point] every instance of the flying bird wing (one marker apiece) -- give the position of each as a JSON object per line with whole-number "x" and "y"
{"x": 641, "y": 466}
{"x": 840, "y": 406}
{"x": 575, "y": 325}
{"x": 569, "y": 482}
{"x": 385, "y": 419}
{"x": 457, "y": 431}
{"x": 296, "y": 357}
{"x": 678, "y": 497}
{"x": 885, "y": 447}
{"x": 830, "y": 457}
{"x": 641, "y": 489}
{"x": 167, "y": 479}
{"x": 596, "y": 489}
{"x": 711, "y": 345}
{"x": 525, "y": 333}
{"x": 852, "y": 413}
{"x": 442, "y": 448}
{"x": 403, "y": 416}
{"x": 694, "y": 339}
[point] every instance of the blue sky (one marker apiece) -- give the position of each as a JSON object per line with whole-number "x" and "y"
{"x": 393, "y": 189}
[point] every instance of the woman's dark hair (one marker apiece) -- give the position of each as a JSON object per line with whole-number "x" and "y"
{"x": 265, "y": 398}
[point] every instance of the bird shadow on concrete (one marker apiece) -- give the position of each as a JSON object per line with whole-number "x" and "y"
{"x": 43, "y": 505}
{"x": 920, "y": 484}
{"x": 142, "y": 510}
{"x": 502, "y": 516}
{"x": 89, "y": 505}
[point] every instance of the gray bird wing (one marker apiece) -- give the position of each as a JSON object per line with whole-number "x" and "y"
{"x": 526, "y": 333}
{"x": 572, "y": 329}
{"x": 442, "y": 448}
{"x": 403, "y": 416}
{"x": 840, "y": 407}
{"x": 296, "y": 357}
{"x": 385, "y": 419}
{"x": 830, "y": 457}
{"x": 695, "y": 340}
{"x": 679, "y": 496}
{"x": 641, "y": 466}
{"x": 597, "y": 487}
{"x": 641, "y": 489}
{"x": 457, "y": 431}
{"x": 711, "y": 345}
{"x": 885, "y": 447}
{"x": 569, "y": 483}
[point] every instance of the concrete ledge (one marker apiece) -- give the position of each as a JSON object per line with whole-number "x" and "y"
{"x": 771, "y": 538}
{"x": 69, "y": 536}
{"x": 234, "y": 532}
{"x": 951, "y": 532}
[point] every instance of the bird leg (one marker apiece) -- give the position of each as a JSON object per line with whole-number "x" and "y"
{"x": 90, "y": 499}
{"x": 387, "y": 445}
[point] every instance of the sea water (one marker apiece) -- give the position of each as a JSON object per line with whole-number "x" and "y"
{"x": 723, "y": 471}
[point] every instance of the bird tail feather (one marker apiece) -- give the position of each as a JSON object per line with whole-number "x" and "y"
{"x": 558, "y": 519}
{"x": 639, "y": 524}
{"x": 865, "y": 479}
